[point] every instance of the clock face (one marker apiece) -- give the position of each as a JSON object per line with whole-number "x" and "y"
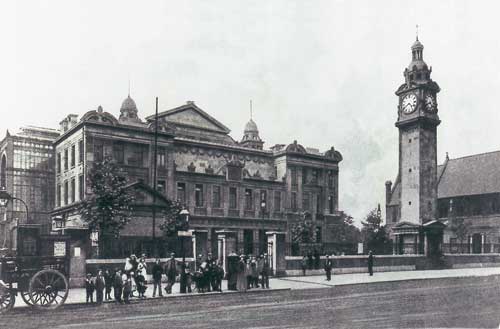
{"x": 430, "y": 104}
{"x": 409, "y": 103}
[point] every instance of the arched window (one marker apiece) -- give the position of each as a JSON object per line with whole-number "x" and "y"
{"x": 3, "y": 172}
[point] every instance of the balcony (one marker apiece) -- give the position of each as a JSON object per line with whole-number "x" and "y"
{"x": 217, "y": 212}
{"x": 200, "y": 211}
{"x": 233, "y": 213}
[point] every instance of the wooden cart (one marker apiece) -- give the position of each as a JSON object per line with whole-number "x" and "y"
{"x": 40, "y": 280}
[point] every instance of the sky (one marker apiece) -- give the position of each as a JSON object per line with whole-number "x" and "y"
{"x": 323, "y": 73}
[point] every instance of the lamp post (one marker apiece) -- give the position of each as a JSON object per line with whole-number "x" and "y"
{"x": 5, "y": 197}
{"x": 184, "y": 221}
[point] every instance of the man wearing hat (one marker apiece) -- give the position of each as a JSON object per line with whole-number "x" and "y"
{"x": 265, "y": 272}
{"x": 171, "y": 273}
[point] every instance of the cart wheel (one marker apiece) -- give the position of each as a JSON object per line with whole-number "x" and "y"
{"x": 25, "y": 295}
{"x": 48, "y": 289}
{"x": 7, "y": 301}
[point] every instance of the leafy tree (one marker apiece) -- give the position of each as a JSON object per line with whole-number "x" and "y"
{"x": 346, "y": 231}
{"x": 172, "y": 222}
{"x": 303, "y": 231}
{"x": 107, "y": 208}
{"x": 374, "y": 234}
{"x": 461, "y": 229}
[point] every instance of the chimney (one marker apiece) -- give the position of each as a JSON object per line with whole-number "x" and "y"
{"x": 73, "y": 120}
{"x": 63, "y": 125}
{"x": 388, "y": 191}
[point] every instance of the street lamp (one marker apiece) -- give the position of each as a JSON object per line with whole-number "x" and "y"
{"x": 5, "y": 197}
{"x": 182, "y": 233}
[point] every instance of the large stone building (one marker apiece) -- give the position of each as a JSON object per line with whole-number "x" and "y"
{"x": 227, "y": 186}
{"x": 458, "y": 201}
{"x": 27, "y": 173}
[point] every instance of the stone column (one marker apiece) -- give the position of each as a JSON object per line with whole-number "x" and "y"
{"x": 470, "y": 245}
{"x": 482, "y": 243}
{"x": 426, "y": 244}
{"x": 227, "y": 245}
{"x": 276, "y": 240}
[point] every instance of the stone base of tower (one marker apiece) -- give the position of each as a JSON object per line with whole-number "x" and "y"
{"x": 415, "y": 239}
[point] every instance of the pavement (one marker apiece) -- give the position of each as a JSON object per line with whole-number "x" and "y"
{"x": 77, "y": 295}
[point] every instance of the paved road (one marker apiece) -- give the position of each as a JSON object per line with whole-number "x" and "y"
{"x": 436, "y": 303}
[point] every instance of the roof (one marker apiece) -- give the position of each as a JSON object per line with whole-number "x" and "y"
{"x": 470, "y": 175}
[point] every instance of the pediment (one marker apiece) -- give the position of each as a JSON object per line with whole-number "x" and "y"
{"x": 146, "y": 195}
{"x": 403, "y": 225}
{"x": 192, "y": 116}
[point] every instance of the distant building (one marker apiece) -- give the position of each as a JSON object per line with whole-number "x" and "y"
{"x": 27, "y": 172}
{"x": 225, "y": 184}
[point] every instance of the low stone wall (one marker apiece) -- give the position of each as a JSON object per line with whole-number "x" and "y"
{"x": 471, "y": 260}
{"x": 355, "y": 264}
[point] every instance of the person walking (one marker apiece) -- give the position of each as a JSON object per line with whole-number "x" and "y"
{"x": 248, "y": 272}
{"x": 100, "y": 284}
{"x": 328, "y": 268}
{"x": 304, "y": 265}
{"x": 255, "y": 273}
{"x": 219, "y": 275}
{"x": 108, "y": 282}
{"x": 118, "y": 286}
{"x": 89, "y": 289}
{"x": 266, "y": 269}
{"x": 370, "y": 263}
{"x": 157, "y": 271}
{"x": 171, "y": 273}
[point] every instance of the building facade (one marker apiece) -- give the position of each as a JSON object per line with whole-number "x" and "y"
{"x": 27, "y": 173}
{"x": 227, "y": 186}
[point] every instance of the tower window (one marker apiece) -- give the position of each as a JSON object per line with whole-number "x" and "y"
{"x": 409, "y": 141}
{"x": 409, "y": 170}
{"x": 409, "y": 203}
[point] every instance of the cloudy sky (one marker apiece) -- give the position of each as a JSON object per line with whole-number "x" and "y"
{"x": 321, "y": 72}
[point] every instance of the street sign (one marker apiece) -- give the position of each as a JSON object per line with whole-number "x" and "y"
{"x": 184, "y": 233}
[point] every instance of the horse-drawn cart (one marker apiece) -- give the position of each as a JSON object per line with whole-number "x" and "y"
{"x": 40, "y": 280}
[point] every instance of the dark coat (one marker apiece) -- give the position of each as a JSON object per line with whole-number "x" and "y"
{"x": 171, "y": 269}
{"x": 99, "y": 283}
{"x": 157, "y": 271}
{"x": 328, "y": 265}
{"x": 370, "y": 260}
{"x": 89, "y": 285}
{"x": 117, "y": 282}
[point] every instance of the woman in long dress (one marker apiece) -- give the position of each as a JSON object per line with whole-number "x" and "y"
{"x": 241, "y": 279}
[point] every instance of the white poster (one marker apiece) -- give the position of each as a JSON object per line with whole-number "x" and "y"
{"x": 60, "y": 248}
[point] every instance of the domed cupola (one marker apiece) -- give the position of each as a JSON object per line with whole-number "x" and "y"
{"x": 417, "y": 72}
{"x": 251, "y": 136}
{"x": 128, "y": 112}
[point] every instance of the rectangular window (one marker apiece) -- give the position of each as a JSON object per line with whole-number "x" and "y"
{"x": 216, "y": 196}
{"x": 263, "y": 199}
{"x": 98, "y": 152}
{"x": 118, "y": 152}
{"x": 73, "y": 155}
{"x": 318, "y": 204}
{"x": 161, "y": 158}
{"x": 305, "y": 201}
{"x": 248, "y": 199}
{"x": 66, "y": 159}
{"x": 233, "y": 198}
{"x": 198, "y": 195}
{"x": 80, "y": 151}
{"x": 304, "y": 176}
{"x": 160, "y": 186}
{"x": 59, "y": 163}
{"x": 181, "y": 193}
{"x": 331, "y": 206}
{"x": 293, "y": 201}
{"x": 314, "y": 176}
{"x": 234, "y": 173}
{"x": 277, "y": 201}
{"x": 73, "y": 190}
{"x": 65, "y": 192}
{"x": 330, "y": 179}
{"x": 59, "y": 195}
{"x": 293, "y": 173}
{"x": 81, "y": 187}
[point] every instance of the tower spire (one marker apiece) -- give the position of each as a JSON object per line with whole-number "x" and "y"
{"x": 417, "y": 31}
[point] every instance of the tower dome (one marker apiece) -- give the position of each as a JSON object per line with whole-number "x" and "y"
{"x": 251, "y": 136}
{"x": 128, "y": 112}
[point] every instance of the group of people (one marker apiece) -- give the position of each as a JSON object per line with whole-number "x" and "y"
{"x": 248, "y": 272}
{"x": 207, "y": 276}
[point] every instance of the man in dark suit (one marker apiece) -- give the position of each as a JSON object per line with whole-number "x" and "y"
{"x": 118, "y": 286}
{"x": 328, "y": 268}
{"x": 266, "y": 269}
{"x": 370, "y": 263}
{"x": 171, "y": 273}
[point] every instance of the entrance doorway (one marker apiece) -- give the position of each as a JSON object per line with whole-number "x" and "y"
{"x": 476, "y": 243}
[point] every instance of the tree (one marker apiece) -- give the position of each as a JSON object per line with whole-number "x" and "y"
{"x": 461, "y": 229}
{"x": 303, "y": 231}
{"x": 346, "y": 232}
{"x": 374, "y": 234}
{"x": 108, "y": 208}
{"x": 172, "y": 222}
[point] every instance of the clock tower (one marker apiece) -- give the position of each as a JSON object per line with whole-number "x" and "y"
{"x": 417, "y": 123}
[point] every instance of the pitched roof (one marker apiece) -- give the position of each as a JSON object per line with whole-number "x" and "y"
{"x": 470, "y": 175}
